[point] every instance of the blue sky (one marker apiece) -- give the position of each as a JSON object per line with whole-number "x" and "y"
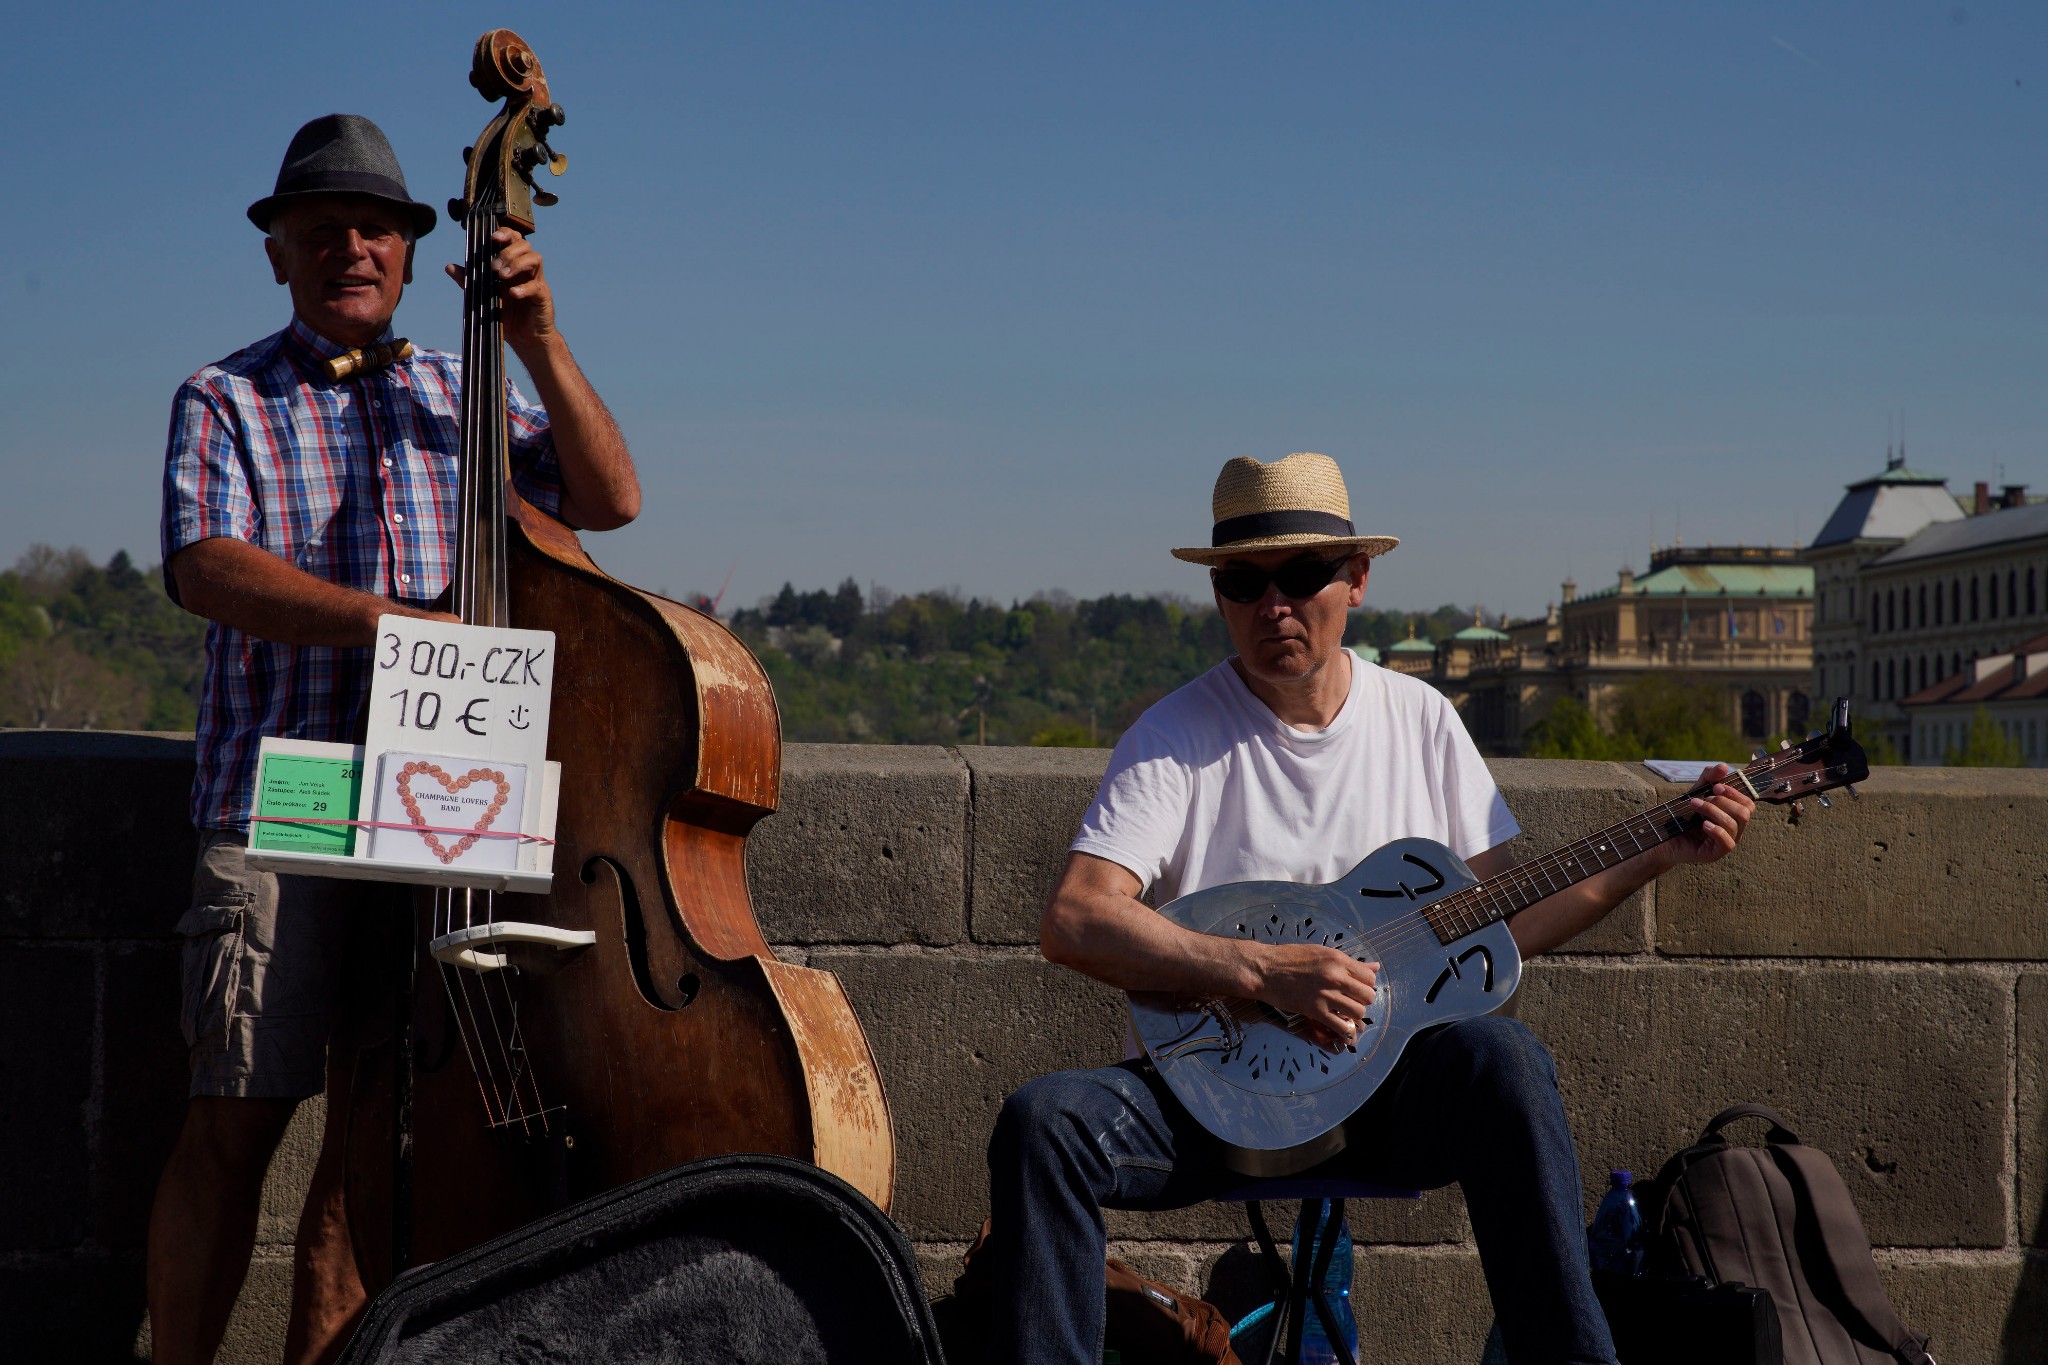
{"x": 982, "y": 295}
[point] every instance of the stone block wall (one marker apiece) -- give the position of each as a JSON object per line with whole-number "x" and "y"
{"x": 1879, "y": 972}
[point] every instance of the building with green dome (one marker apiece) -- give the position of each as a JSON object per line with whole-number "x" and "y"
{"x": 1739, "y": 616}
{"x": 1412, "y": 655}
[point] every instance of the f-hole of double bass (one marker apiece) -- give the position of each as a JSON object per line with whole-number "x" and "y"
{"x": 633, "y": 929}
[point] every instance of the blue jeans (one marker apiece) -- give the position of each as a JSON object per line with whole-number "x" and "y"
{"x": 1473, "y": 1103}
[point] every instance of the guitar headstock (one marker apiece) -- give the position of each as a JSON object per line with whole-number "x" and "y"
{"x": 514, "y": 143}
{"x": 1820, "y": 763}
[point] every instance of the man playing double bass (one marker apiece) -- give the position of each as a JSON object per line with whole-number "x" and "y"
{"x": 1291, "y": 762}
{"x": 297, "y": 509}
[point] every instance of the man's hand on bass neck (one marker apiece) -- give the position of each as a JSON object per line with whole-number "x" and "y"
{"x": 600, "y": 488}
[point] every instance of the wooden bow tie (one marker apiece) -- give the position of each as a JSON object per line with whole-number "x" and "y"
{"x": 369, "y": 359}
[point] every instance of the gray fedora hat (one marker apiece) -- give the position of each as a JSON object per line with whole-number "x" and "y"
{"x": 341, "y": 154}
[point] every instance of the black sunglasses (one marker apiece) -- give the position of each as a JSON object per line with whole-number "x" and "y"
{"x": 1299, "y": 579}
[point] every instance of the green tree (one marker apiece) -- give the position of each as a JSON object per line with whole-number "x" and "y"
{"x": 1656, "y": 715}
{"x": 1674, "y": 715}
{"x": 1569, "y": 731}
{"x": 91, "y": 646}
{"x": 1062, "y": 737}
{"x": 1986, "y": 745}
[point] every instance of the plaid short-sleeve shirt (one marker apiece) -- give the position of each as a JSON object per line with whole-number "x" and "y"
{"x": 353, "y": 482}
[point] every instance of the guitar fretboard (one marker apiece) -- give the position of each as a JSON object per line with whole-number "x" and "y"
{"x": 1521, "y": 886}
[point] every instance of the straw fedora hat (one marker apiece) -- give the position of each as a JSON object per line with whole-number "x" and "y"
{"x": 1298, "y": 501}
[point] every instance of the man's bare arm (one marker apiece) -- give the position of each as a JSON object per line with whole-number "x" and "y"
{"x": 600, "y": 487}
{"x": 1562, "y": 917}
{"x": 251, "y": 589}
{"x": 1096, "y": 924}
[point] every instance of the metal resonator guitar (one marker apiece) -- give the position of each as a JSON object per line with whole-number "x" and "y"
{"x": 1277, "y": 1100}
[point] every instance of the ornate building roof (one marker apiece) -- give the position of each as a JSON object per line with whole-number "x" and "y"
{"x": 1736, "y": 570}
{"x": 1893, "y": 505}
{"x": 1479, "y": 630}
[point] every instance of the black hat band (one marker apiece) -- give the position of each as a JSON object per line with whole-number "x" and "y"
{"x": 345, "y": 182}
{"x": 1259, "y": 525}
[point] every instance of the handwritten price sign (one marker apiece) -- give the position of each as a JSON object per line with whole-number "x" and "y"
{"x": 446, "y": 691}
{"x": 435, "y": 680}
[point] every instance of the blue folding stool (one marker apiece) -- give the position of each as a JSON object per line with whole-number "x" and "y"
{"x": 1294, "y": 1291}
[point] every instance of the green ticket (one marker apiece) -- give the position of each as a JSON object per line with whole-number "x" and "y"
{"x": 293, "y": 787}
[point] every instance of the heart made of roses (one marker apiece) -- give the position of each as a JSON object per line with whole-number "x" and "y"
{"x": 453, "y": 785}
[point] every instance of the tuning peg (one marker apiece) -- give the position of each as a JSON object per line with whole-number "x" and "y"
{"x": 541, "y": 152}
{"x": 1755, "y": 754}
{"x": 1784, "y": 744}
{"x": 1826, "y": 803}
{"x": 544, "y": 117}
{"x": 1852, "y": 792}
{"x": 546, "y": 200}
{"x": 1798, "y": 809}
{"x": 457, "y": 210}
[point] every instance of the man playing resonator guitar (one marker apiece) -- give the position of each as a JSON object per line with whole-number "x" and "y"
{"x": 1289, "y": 763}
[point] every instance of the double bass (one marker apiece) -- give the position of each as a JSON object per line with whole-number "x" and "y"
{"x": 495, "y": 1095}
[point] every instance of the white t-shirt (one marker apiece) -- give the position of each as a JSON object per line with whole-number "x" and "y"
{"x": 1210, "y": 787}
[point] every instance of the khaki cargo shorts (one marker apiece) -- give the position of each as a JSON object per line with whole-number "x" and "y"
{"x": 263, "y": 960}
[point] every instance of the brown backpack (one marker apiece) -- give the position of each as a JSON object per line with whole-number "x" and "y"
{"x": 1147, "y": 1322}
{"x": 1780, "y": 1218}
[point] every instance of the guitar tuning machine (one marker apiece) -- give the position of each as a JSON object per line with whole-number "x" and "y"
{"x": 1798, "y": 809}
{"x": 1827, "y": 803}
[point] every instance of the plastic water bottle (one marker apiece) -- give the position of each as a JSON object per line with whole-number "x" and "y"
{"x": 1255, "y": 1326}
{"x": 1615, "y": 1241}
{"x": 1315, "y": 1343}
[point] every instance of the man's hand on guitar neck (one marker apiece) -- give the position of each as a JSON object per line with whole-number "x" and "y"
{"x": 1096, "y": 924}
{"x": 1723, "y": 816}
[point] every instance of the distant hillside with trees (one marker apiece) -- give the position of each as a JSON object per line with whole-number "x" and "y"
{"x": 1051, "y": 670}
{"x": 88, "y": 646}
{"x": 100, "y": 646}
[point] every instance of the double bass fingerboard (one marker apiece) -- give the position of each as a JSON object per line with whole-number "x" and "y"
{"x": 481, "y": 597}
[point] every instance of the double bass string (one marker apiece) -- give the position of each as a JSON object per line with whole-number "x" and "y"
{"x": 497, "y": 1054}
{"x": 444, "y": 922}
{"x": 491, "y": 473}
